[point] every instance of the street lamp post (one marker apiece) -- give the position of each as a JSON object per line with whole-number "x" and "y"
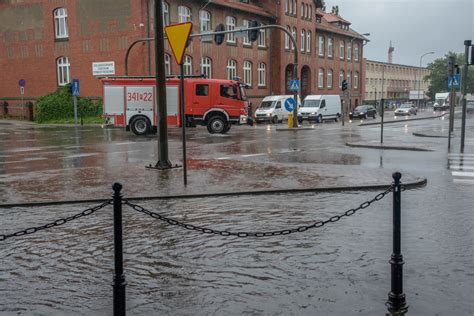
{"x": 419, "y": 80}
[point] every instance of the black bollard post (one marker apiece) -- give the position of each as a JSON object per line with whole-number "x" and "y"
{"x": 396, "y": 303}
{"x": 119, "y": 278}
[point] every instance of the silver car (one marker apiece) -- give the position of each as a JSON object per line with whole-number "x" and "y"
{"x": 406, "y": 109}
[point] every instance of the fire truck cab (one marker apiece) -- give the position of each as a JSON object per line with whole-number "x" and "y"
{"x": 130, "y": 102}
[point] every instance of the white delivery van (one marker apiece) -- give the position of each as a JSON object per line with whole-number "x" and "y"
{"x": 272, "y": 109}
{"x": 320, "y": 107}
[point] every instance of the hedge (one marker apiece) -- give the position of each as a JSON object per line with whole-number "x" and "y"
{"x": 58, "y": 107}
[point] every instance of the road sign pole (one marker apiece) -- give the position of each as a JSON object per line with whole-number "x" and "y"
{"x": 467, "y": 45}
{"x": 451, "y": 116}
{"x": 382, "y": 111}
{"x": 75, "y": 110}
{"x": 183, "y": 124}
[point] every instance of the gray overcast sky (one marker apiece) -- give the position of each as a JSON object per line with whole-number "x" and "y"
{"x": 414, "y": 26}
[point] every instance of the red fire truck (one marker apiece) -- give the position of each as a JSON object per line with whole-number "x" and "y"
{"x": 130, "y": 102}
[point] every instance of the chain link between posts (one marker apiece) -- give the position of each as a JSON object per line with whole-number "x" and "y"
{"x": 299, "y": 229}
{"x": 56, "y": 223}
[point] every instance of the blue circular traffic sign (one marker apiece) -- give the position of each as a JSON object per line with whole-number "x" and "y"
{"x": 290, "y": 104}
{"x": 22, "y": 82}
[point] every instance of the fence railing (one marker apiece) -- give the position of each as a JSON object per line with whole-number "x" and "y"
{"x": 396, "y": 303}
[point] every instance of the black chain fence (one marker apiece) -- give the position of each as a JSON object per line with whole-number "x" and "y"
{"x": 56, "y": 223}
{"x": 288, "y": 231}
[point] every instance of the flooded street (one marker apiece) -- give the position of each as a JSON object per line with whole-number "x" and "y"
{"x": 339, "y": 269}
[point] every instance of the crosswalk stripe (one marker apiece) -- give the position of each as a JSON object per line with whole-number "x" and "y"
{"x": 461, "y": 167}
{"x": 463, "y": 174}
{"x": 465, "y": 181}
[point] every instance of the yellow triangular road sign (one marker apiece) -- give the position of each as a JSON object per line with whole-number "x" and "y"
{"x": 178, "y": 35}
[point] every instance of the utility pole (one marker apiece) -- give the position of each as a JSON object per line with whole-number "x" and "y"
{"x": 467, "y": 45}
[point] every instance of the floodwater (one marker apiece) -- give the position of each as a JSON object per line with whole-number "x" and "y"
{"x": 340, "y": 269}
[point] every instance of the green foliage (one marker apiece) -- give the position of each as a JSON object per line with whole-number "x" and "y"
{"x": 58, "y": 107}
{"x": 439, "y": 74}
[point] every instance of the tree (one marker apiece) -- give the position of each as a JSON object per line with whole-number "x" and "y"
{"x": 438, "y": 76}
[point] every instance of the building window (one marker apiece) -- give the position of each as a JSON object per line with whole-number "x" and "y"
{"x": 321, "y": 78}
{"x": 262, "y": 39}
{"x": 321, "y": 45}
{"x": 294, "y": 7}
{"x": 230, "y": 26}
{"x": 330, "y": 47}
{"x": 166, "y": 13}
{"x": 329, "y": 80}
{"x": 308, "y": 41}
{"x": 188, "y": 65}
{"x": 356, "y": 52}
{"x": 262, "y": 75}
{"x": 167, "y": 64}
{"x": 205, "y": 21}
{"x": 341, "y": 49}
{"x": 303, "y": 11}
{"x": 349, "y": 80}
{"x": 246, "y": 40}
{"x": 287, "y": 6}
{"x": 310, "y": 12}
{"x": 184, "y": 14}
{"x": 356, "y": 80}
{"x": 248, "y": 72}
{"x": 341, "y": 78}
{"x": 231, "y": 69}
{"x": 60, "y": 23}
{"x": 303, "y": 40}
{"x": 349, "y": 51}
{"x": 206, "y": 67}
{"x": 287, "y": 38}
{"x": 294, "y": 36}
{"x": 64, "y": 71}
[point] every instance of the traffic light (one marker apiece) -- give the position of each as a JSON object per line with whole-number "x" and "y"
{"x": 344, "y": 85}
{"x": 219, "y": 38}
{"x": 472, "y": 55}
{"x": 451, "y": 62}
{"x": 253, "y": 34}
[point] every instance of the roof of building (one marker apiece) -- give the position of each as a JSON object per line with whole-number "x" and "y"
{"x": 245, "y": 7}
{"x": 392, "y": 64}
{"x": 328, "y": 24}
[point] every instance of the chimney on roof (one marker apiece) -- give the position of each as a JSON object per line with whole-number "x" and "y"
{"x": 390, "y": 53}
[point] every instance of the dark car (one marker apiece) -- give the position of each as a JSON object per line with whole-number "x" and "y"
{"x": 470, "y": 107}
{"x": 363, "y": 111}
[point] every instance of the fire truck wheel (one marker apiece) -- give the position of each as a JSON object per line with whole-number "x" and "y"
{"x": 227, "y": 128}
{"x": 216, "y": 125}
{"x": 140, "y": 125}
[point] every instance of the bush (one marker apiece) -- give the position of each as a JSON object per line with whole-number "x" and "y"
{"x": 57, "y": 107}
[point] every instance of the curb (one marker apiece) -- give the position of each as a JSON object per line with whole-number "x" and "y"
{"x": 426, "y": 135}
{"x": 387, "y": 147}
{"x": 414, "y": 119}
{"x": 294, "y": 129}
{"x": 418, "y": 183}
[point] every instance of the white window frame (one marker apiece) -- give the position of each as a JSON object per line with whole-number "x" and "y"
{"x": 262, "y": 39}
{"x": 330, "y": 47}
{"x": 342, "y": 49}
{"x": 308, "y": 41}
{"x": 349, "y": 80}
{"x": 287, "y": 38}
{"x": 321, "y": 78}
{"x": 60, "y": 23}
{"x": 230, "y": 23}
{"x": 356, "y": 52}
{"x": 188, "y": 65}
{"x": 262, "y": 74}
{"x": 167, "y": 64}
{"x": 63, "y": 70}
{"x": 294, "y": 32}
{"x": 245, "y": 38}
{"x": 303, "y": 11}
{"x": 248, "y": 72}
{"x": 303, "y": 40}
{"x": 287, "y": 6}
{"x": 341, "y": 78}
{"x": 166, "y": 13}
{"x": 184, "y": 14}
{"x": 356, "y": 80}
{"x": 349, "y": 51}
{"x": 206, "y": 67}
{"x": 231, "y": 69}
{"x": 329, "y": 78}
{"x": 321, "y": 45}
{"x": 295, "y": 7}
{"x": 205, "y": 21}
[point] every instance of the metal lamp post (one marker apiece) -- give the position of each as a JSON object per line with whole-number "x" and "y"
{"x": 419, "y": 80}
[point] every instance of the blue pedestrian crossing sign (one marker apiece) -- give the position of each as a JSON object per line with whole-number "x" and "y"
{"x": 454, "y": 81}
{"x": 290, "y": 104}
{"x": 75, "y": 87}
{"x": 294, "y": 85}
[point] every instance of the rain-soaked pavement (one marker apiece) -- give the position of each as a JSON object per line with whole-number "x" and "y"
{"x": 340, "y": 269}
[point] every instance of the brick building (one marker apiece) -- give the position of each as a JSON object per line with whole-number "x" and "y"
{"x": 58, "y": 40}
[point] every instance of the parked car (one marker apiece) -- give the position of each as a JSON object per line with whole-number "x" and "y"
{"x": 320, "y": 107}
{"x": 470, "y": 107}
{"x": 363, "y": 111}
{"x": 406, "y": 109}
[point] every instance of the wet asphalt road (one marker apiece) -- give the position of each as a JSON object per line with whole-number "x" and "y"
{"x": 341, "y": 269}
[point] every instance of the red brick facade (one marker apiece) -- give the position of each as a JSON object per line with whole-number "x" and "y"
{"x": 100, "y": 31}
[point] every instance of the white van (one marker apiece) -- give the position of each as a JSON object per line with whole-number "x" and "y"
{"x": 320, "y": 107}
{"x": 272, "y": 109}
